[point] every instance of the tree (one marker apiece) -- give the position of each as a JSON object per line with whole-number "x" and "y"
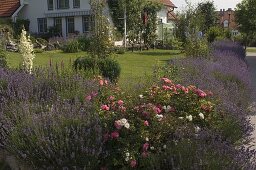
{"x": 101, "y": 43}
{"x": 206, "y": 10}
{"x": 246, "y": 19}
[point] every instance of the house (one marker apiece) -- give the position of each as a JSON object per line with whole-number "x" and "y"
{"x": 226, "y": 19}
{"x": 67, "y": 16}
{"x": 166, "y": 20}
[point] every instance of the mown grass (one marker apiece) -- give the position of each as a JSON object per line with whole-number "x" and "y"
{"x": 251, "y": 49}
{"x": 135, "y": 66}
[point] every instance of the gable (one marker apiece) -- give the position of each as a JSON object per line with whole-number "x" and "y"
{"x": 8, "y": 7}
{"x": 168, "y": 3}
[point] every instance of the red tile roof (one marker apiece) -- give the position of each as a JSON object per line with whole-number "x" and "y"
{"x": 8, "y": 7}
{"x": 168, "y": 3}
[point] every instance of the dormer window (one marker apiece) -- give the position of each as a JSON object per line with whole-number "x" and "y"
{"x": 62, "y": 4}
{"x": 76, "y": 3}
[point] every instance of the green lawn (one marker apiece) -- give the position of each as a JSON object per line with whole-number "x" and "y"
{"x": 135, "y": 65}
{"x": 251, "y": 49}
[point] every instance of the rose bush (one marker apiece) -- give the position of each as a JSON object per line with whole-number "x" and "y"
{"x": 136, "y": 127}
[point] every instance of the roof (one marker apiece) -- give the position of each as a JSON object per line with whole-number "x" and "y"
{"x": 168, "y": 3}
{"x": 8, "y": 7}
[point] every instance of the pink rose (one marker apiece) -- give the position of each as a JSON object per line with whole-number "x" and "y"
{"x": 201, "y": 93}
{"x": 105, "y": 107}
{"x": 146, "y": 123}
{"x": 144, "y": 154}
{"x": 123, "y": 109}
{"x": 145, "y": 146}
{"x": 111, "y": 98}
{"x": 146, "y": 114}
{"x": 166, "y": 80}
{"x": 118, "y": 124}
{"x": 101, "y": 82}
{"x": 93, "y": 94}
{"x": 178, "y": 86}
{"x": 157, "y": 110}
{"x": 133, "y": 163}
{"x": 88, "y": 98}
{"x": 166, "y": 87}
{"x": 120, "y": 102}
{"x": 114, "y": 135}
{"x": 106, "y": 82}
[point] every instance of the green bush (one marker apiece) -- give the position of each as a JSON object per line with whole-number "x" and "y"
{"x": 84, "y": 43}
{"x": 3, "y": 62}
{"x": 197, "y": 48}
{"x": 214, "y": 33}
{"x": 110, "y": 68}
{"x": 119, "y": 50}
{"x": 71, "y": 47}
{"x": 85, "y": 63}
{"x": 174, "y": 44}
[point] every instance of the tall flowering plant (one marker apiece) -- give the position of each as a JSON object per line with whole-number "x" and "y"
{"x": 136, "y": 127}
{"x": 27, "y": 51}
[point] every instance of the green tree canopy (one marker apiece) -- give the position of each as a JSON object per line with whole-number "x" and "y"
{"x": 246, "y": 19}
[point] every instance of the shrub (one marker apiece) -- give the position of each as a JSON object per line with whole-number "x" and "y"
{"x": 119, "y": 50}
{"x": 110, "y": 69}
{"x": 3, "y": 62}
{"x": 197, "y": 48}
{"x": 86, "y": 64}
{"x": 214, "y": 33}
{"x": 62, "y": 136}
{"x": 84, "y": 43}
{"x": 71, "y": 47}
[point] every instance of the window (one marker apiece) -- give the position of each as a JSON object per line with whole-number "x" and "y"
{"x": 42, "y": 25}
{"x": 225, "y": 24}
{"x": 58, "y": 25}
{"x": 76, "y": 3}
{"x": 70, "y": 25}
{"x": 63, "y": 4}
{"x": 86, "y": 23}
{"x": 50, "y": 4}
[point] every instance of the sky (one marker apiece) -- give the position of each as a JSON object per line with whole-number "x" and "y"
{"x": 219, "y": 4}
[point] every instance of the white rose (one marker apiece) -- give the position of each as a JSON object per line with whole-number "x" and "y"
{"x": 127, "y": 159}
{"x": 201, "y": 115}
{"x": 164, "y": 107}
{"x": 190, "y": 118}
{"x": 141, "y": 96}
{"x": 123, "y": 121}
{"x": 127, "y": 154}
{"x": 147, "y": 139}
{"x": 152, "y": 148}
{"x": 127, "y": 125}
{"x": 181, "y": 118}
{"x": 159, "y": 116}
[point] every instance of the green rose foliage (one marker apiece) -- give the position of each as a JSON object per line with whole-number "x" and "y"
{"x": 134, "y": 128}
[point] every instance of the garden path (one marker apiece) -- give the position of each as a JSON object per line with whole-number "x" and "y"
{"x": 251, "y": 59}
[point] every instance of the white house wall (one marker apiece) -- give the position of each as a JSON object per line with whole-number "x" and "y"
{"x": 163, "y": 15}
{"x": 35, "y": 9}
{"x": 39, "y": 8}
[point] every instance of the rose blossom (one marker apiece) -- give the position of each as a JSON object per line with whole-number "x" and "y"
{"x": 201, "y": 93}
{"x": 146, "y": 123}
{"x": 118, "y": 124}
{"x": 157, "y": 110}
{"x": 123, "y": 121}
{"x": 201, "y": 115}
{"x": 111, "y": 98}
{"x": 89, "y": 98}
{"x": 145, "y": 146}
{"x": 101, "y": 82}
{"x": 120, "y": 102}
{"x": 190, "y": 118}
{"x": 127, "y": 125}
{"x": 144, "y": 154}
{"x": 166, "y": 80}
{"x": 133, "y": 163}
{"x": 114, "y": 135}
{"x": 105, "y": 107}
